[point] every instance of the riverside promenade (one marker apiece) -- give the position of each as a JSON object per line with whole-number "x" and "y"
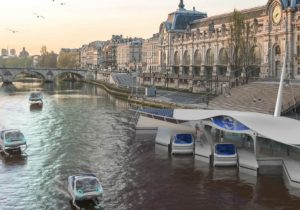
{"x": 254, "y": 97}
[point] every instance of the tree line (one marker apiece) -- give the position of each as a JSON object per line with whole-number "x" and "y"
{"x": 46, "y": 59}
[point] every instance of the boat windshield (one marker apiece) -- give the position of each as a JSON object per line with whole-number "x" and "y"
{"x": 183, "y": 139}
{"x": 35, "y": 95}
{"x": 87, "y": 185}
{"x": 225, "y": 149}
{"x": 14, "y": 136}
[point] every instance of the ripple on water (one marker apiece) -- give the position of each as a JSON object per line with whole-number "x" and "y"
{"x": 82, "y": 129}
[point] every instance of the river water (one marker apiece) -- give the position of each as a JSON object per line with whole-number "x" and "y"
{"x": 83, "y": 129}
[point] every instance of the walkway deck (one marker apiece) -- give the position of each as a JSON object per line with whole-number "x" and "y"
{"x": 256, "y": 97}
{"x": 202, "y": 151}
{"x": 145, "y": 126}
{"x": 163, "y": 136}
{"x": 247, "y": 162}
{"x": 292, "y": 171}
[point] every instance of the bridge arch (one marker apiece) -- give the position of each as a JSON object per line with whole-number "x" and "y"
{"x": 48, "y": 75}
{"x": 29, "y": 73}
{"x": 71, "y": 73}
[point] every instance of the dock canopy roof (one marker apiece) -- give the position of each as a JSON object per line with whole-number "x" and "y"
{"x": 280, "y": 129}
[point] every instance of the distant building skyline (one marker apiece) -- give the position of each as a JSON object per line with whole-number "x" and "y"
{"x": 12, "y": 52}
{"x": 78, "y": 22}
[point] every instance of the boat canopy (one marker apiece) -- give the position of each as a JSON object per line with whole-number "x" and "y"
{"x": 87, "y": 184}
{"x": 13, "y": 135}
{"x": 225, "y": 149}
{"x": 183, "y": 139}
{"x": 281, "y": 129}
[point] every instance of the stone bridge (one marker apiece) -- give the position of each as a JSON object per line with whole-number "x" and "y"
{"x": 48, "y": 74}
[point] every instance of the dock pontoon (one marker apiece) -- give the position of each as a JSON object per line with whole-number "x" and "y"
{"x": 260, "y": 139}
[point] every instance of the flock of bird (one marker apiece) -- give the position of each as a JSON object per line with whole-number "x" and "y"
{"x": 35, "y": 14}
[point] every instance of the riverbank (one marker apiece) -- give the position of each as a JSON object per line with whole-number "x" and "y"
{"x": 165, "y": 100}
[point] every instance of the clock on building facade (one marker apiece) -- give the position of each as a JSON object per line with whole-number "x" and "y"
{"x": 277, "y": 14}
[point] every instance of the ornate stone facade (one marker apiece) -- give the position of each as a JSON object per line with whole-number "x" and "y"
{"x": 196, "y": 52}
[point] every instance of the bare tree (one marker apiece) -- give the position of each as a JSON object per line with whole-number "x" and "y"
{"x": 241, "y": 39}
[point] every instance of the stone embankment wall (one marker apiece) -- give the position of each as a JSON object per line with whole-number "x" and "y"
{"x": 126, "y": 95}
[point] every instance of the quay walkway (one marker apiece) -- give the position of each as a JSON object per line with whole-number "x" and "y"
{"x": 258, "y": 97}
{"x": 254, "y": 97}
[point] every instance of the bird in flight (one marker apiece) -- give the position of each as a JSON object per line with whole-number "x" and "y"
{"x": 12, "y": 31}
{"x": 62, "y": 3}
{"x": 39, "y": 16}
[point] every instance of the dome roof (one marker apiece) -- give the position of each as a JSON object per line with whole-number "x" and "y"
{"x": 181, "y": 18}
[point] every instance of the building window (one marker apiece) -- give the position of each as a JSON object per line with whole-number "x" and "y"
{"x": 298, "y": 70}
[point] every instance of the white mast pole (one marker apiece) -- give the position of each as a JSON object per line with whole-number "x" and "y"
{"x": 278, "y": 106}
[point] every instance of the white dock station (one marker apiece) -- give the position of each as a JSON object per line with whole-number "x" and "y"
{"x": 260, "y": 140}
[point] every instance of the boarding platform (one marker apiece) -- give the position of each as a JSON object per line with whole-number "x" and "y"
{"x": 247, "y": 162}
{"x": 291, "y": 170}
{"x": 262, "y": 141}
{"x": 203, "y": 150}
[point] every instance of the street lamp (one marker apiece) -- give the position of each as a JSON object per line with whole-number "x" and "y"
{"x": 207, "y": 96}
{"x": 167, "y": 79}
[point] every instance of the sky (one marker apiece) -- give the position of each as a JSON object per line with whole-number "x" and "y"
{"x": 82, "y": 21}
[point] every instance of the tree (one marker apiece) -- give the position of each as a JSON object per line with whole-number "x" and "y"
{"x": 47, "y": 60}
{"x": 44, "y": 50}
{"x": 16, "y": 62}
{"x": 66, "y": 60}
{"x": 241, "y": 39}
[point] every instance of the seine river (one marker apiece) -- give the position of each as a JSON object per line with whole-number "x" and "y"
{"x": 83, "y": 129}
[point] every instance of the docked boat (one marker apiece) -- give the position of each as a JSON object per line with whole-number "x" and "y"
{"x": 12, "y": 141}
{"x": 36, "y": 98}
{"x": 225, "y": 154}
{"x": 85, "y": 187}
{"x": 182, "y": 144}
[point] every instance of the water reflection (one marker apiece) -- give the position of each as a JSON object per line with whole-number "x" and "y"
{"x": 8, "y": 88}
{"x": 13, "y": 159}
{"x": 36, "y": 107}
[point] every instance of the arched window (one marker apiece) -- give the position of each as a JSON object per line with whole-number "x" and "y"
{"x": 176, "y": 59}
{"x": 186, "y": 59}
{"x": 277, "y": 50}
{"x": 197, "y": 58}
{"x": 255, "y": 56}
{"x": 223, "y": 57}
{"x": 164, "y": 58}
{"x": 209, "y": 61}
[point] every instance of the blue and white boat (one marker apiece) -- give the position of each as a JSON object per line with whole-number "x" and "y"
{"x": 12, "y": 140}
{"x": 225, "y": 154}
{"x": 36, "y": 98}
{"x": 85, "y": 187}
{"x": 182, "y": 144}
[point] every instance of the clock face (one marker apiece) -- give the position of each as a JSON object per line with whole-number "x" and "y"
{"x": 276, "y": 14}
